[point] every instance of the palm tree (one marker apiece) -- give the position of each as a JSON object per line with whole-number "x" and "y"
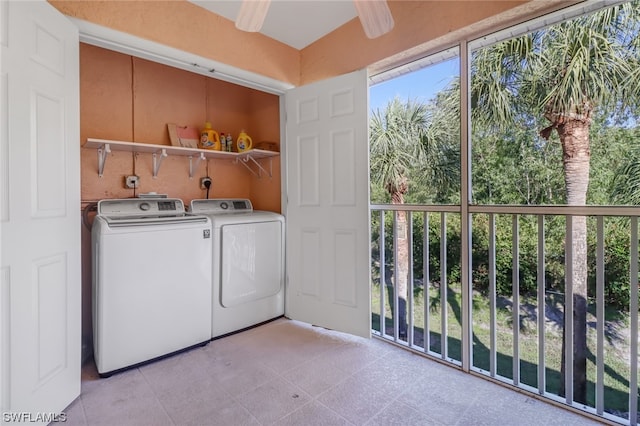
{"x": 564, "y": 73}
{"x": 403, "y": 141}
{"x": 395, "y": 143}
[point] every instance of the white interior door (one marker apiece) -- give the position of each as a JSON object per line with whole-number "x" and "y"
{"x": 40, "y": 211}
{"x": 327, "y": 209}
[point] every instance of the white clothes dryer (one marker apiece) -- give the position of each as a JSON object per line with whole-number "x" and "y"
{"x": 248, "y": 264}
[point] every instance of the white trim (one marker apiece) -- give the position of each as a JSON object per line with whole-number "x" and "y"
{"x": 465, "y": 221}
{"x": 544, "y": 21}
{"x": 432, "y": 59}
{"x": 111, "y": 39}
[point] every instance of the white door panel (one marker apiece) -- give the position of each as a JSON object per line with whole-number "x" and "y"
{"x": 327, "y": 160}
{"x": 251, "y": 254}
{"x": 40, "y": 210}
{"x": 131, "y": 326}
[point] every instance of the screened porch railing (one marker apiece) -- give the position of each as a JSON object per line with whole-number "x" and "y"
{"x": 516, "y": 338}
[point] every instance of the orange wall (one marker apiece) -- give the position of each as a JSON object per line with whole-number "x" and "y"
{"x": 183, "y": 25}
{"x": 131, "y": 99}
{"x": 347, "y": 49}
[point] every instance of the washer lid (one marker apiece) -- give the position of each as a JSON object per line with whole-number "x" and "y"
{"x": 220, "y": 206}
{"x": 136, "y": 211}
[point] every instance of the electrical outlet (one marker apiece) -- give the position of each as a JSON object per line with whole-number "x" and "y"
{"x": 204, "y": 182}
{"x": 131, "y": 181}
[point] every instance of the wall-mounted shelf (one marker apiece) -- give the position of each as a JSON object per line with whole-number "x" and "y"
{"x": 159, "y": 152}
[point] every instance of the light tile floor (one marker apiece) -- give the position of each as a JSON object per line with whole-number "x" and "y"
{"x": 290, "y": 373}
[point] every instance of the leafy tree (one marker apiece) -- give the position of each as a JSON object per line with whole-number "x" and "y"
{"x": 516, "y": 168}
{"x": 625, "y": 188}
{"x": 564, "y": 73}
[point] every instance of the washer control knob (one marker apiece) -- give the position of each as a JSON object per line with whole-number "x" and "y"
{"x": 224, "y": 205}
{"x": 145, "y": 206}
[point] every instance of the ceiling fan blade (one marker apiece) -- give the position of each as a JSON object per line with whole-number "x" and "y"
{"x": 375, "y": 17}
{"x": 251, "y": 15}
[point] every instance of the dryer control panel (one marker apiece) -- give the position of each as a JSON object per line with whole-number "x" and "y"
{"x": 221, "y": 206}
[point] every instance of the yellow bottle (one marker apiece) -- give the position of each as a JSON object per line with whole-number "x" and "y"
{"x": 244, "y": 142}
{"x": 209, "y": 138}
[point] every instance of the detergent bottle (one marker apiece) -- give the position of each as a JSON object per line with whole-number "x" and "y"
{"x": 209, "y": 138}
{"x": 244, "y": 142}
{"x": 229, "y": 142}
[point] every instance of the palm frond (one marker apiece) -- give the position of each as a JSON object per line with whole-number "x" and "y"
{"x": 567, "y": 69}
{"x": 408, "y": 135}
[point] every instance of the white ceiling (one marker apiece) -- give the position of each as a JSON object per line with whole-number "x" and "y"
{"x": 296, "y": 23}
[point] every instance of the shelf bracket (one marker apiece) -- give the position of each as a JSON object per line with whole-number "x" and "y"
{"x": 102, "y": 158}
{"x": 158, "y": 161}
{"x": 191, "y": 166}
{"x": 261, "y": 169}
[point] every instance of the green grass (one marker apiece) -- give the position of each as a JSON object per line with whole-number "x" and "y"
{"x": 616, "y": 353}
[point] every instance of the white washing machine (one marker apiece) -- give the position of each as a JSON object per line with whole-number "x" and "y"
{"x": 151, "y": 281}
{"x": 248, "y": 264}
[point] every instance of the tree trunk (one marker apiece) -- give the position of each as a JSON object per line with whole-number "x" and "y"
{"x": 574, "y": 136}
{"x": 402, "y": 253}
{"x": 403, "y": 272}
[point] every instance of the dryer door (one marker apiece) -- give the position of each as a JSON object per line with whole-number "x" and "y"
{"x": 251, "y": 262}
